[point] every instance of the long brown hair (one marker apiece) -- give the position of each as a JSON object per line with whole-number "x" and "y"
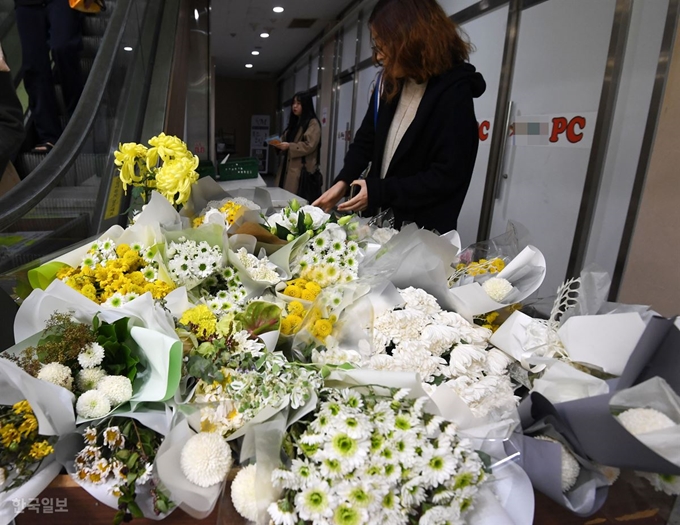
{"x": 418, "y": 39}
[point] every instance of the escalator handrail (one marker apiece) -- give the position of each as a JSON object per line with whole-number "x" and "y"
{"x": 37, "y": 185}
{"x": 6, "y": 25}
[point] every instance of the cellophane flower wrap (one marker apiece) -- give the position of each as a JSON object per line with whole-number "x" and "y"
{"x": 33, "y": 414}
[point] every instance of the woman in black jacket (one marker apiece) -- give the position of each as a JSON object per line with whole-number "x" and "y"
{"x": 420, "y": 132}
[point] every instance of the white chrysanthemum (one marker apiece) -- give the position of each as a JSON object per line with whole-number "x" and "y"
{"x": 463, "y": 357}
{"x": 643, "y": 420}
{"x": 243, "y": 493}
{"x": 420, "y": 300}
{"x": 206, "y": 459}
{"x": 57, "y": 374}
{"x": 497, "y": 361}
{"x": 93, "y": 404}
{"x": 91, "y": 356}
{"x": 315, "y": 502}
{"x": 497, "y": 288}
{"x": 117, "y": 389}
{"x": 146, "y": 475}
{"x": 662, "y": 482}
{"x": 570, "y": 467}
{"x": 89, "y": 378}
{"x": 282, "y": 516}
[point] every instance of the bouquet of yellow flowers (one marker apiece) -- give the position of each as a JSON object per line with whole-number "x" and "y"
{"x": 167, "y": 166}
{"x": 23, "y": 449}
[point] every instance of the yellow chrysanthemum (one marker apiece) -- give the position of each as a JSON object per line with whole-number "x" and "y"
{"x": 196, "y": 223}
{"x": 128, "y": 159}
{"x": 295, "y": 308}
{"x": 175, "y": 178}
{"x": 202, "y": 319}
{"x": 9, "y": 434}
{"x": 40, "y": 449}
{"x": 295, "y": 321}
{"x": 313, "y": 287}
{"x": 22, "y": 407}
{"x": 293, "y": 291}
{"x": 497, "y": 264}
{"x": 308, "y": 295}
{"x": 166, "y": 148}
{"x": 28, "y": 425}
{"x": 287, "y": 326}
{"x": 322, "y": 328}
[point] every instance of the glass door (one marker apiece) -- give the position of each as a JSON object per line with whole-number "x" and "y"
{"x": 559, "y": 71}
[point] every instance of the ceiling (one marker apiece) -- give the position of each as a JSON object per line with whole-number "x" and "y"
{"x": 236, "y": 26}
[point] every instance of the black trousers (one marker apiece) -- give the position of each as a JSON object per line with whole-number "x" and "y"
{"x": 51, "y": 27}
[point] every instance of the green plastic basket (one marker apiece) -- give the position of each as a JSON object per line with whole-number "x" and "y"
{"x": 206, "y": 169}
{"x": 237, "y": 169}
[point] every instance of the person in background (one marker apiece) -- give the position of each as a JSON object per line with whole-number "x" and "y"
{"x": 420, "y": 132}
{"x": 300, "y": 143}
{"x": 49, "y": 26}
{"x": 11, "y": 127}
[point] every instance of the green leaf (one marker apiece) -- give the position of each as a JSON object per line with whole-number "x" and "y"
{"x": 161, "y": 506}
{"x": 282, "y": 232}
{"x": 123, "y": 455}
{"x": 325, "y": 371}
{"x": 301, "y": 228}
{"x": 118, "y": 518}
{"x": 135, "y": 510}
{"x": 260, "y": 317}
{"x": 132, "y": 460}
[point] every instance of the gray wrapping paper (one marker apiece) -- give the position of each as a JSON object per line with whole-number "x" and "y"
{"x": 542, "y": 460}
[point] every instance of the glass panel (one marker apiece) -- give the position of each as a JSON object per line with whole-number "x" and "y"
{"x": 453, "y": 6}
{"x": 302, "y": 79}
{"x": 366, "y": 50}
{"x": 364, "y": 90}
{"x": 343, "y": 123}
{"x": 314, "y": 67}
{"x": 349, "y": 46}
{"x": 288, "y": 88}
{"x": 487, "y": 34}
{"x": 556, "y": 91}
{"x": 632, "y": 108}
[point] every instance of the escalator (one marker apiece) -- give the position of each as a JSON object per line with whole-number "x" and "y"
{"x": 63, "y": 217}
{"x": 71, "y": 193}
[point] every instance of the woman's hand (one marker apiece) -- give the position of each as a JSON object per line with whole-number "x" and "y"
{"x": 360, "y": 201}
{"x": 283, "y": 146}
{"x": 331, "y": 196}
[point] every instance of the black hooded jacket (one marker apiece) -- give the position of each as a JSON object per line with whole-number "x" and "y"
{"x": 430, "y": 172}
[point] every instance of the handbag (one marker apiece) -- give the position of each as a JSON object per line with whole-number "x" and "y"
{"x": 95, "y": 6}
{"x": 309, "y": 187}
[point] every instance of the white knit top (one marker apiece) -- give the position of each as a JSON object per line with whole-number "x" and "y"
{"x": 411, "y": 95}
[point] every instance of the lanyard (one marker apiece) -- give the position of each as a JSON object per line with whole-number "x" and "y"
{"x": 376, "y": 99}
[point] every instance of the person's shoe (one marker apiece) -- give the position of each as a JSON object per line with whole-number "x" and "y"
{"x": 43, "y": 148}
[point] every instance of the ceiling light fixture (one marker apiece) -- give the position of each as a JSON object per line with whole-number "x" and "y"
{"x": 196, "y": 14}
{"x": 278, "y": 9}
{"x": 255, "y": 53}
{"x": 249, "y": 66}
{"x": 127, "y": 48}
{"x": 264, "y": 35}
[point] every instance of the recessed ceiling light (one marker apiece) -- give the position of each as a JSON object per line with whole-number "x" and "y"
{"x": 278, "y": 9}
{"x": 127, "y": 48}
{"x": 255, "y": 53}
{"x": 249, "y": 66}
{"x": 264, "y": 35}
{"x": 196, "y": 14}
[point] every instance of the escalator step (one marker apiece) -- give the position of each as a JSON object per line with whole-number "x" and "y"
{"x": 91, "y": 46}
{"x": 94, "y": 25}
